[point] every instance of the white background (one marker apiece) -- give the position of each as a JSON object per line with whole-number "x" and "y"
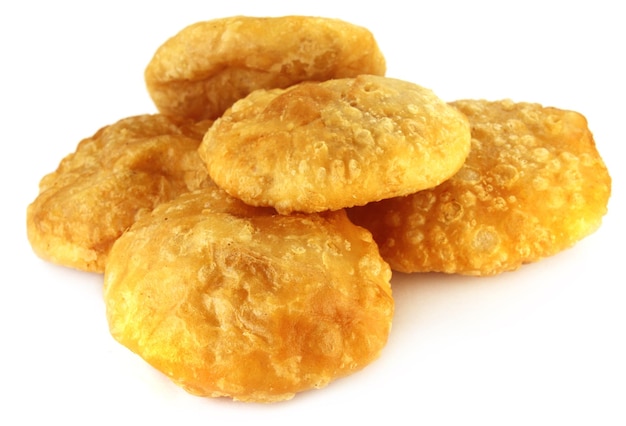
{"x": 544, "y": 345}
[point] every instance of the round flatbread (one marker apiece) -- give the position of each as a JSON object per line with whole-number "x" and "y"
{"x": 335, "y": 144}
{"x": 97, "y": 192}
{"x": 231, "y": 300}
{"x": 206, "y": 67}
{"x": 533, "y": 185}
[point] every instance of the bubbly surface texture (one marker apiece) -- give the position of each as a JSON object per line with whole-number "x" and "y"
{"x": 335, "y": 144}
{"x": 206, "y": 67}
{"x": 232, "y": 300}
{"x": 533, "y": 185}
{"x": 113, "y": 177}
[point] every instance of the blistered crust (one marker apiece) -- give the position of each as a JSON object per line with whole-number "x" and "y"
{"x": 335, "y": 144}
{"x": 97, "y": 192}
{"x": 533, "y": 185}
{"x": 206, "y": 67}
{"x": 231, "y": 300}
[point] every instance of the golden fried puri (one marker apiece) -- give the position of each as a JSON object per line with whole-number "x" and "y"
{"x": 231, "y": 300}
{"x": 533, "y": 185}
{"x": 206, "y": 67}
{"x": 335, "y": 144}
{"x": 98, "y": 191}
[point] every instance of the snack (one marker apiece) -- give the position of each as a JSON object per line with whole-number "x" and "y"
{"x": 335, "y": 144}
{"x": 113, "y": 177}
{"x": 206, "y": 67}
{"x": 330, "y": 175}
{"x": 231, "y": 300}
{"x": 533, "y": 185}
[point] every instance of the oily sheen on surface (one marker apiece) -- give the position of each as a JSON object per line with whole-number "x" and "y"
{"x": 532, "y": 186}
{"x": 335, "y": 144}
{"x": 232, "y": 300}
{"x": 206, "y": 67}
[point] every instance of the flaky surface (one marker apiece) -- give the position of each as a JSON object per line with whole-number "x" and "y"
{"x": 533, "y": 185}
{"x": 335, "y": 144}
{"x": 97, "y": 192}
{"x": 206, "y": 67}
{"x": 232, "y": 300}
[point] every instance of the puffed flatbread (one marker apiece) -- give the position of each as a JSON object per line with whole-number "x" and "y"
{"x": 335, "y": 144}
{"x": 231, "y": 300}
{"x": 206, "y": 67}
{"x": 533, "y": 185}
{"x": 97, "y": 192}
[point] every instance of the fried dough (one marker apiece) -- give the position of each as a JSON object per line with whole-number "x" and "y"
{"x": 232, "y": 300}
{"x": 533, "y": 185}
{"x": 335, "y": 144}
{"x": 206, "y": 67}
{"x": 97, "y": 192}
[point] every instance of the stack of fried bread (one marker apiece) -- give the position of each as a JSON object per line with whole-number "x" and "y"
{"x": 247, "y": 232}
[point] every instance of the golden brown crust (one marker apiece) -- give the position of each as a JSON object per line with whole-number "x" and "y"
{"x": 533, "y": 185}
{"x": 113, "y": 177}
{"x": 231, "y": 300}
{"x": 335, "y": 144}
{"x": 206, "y": 67}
